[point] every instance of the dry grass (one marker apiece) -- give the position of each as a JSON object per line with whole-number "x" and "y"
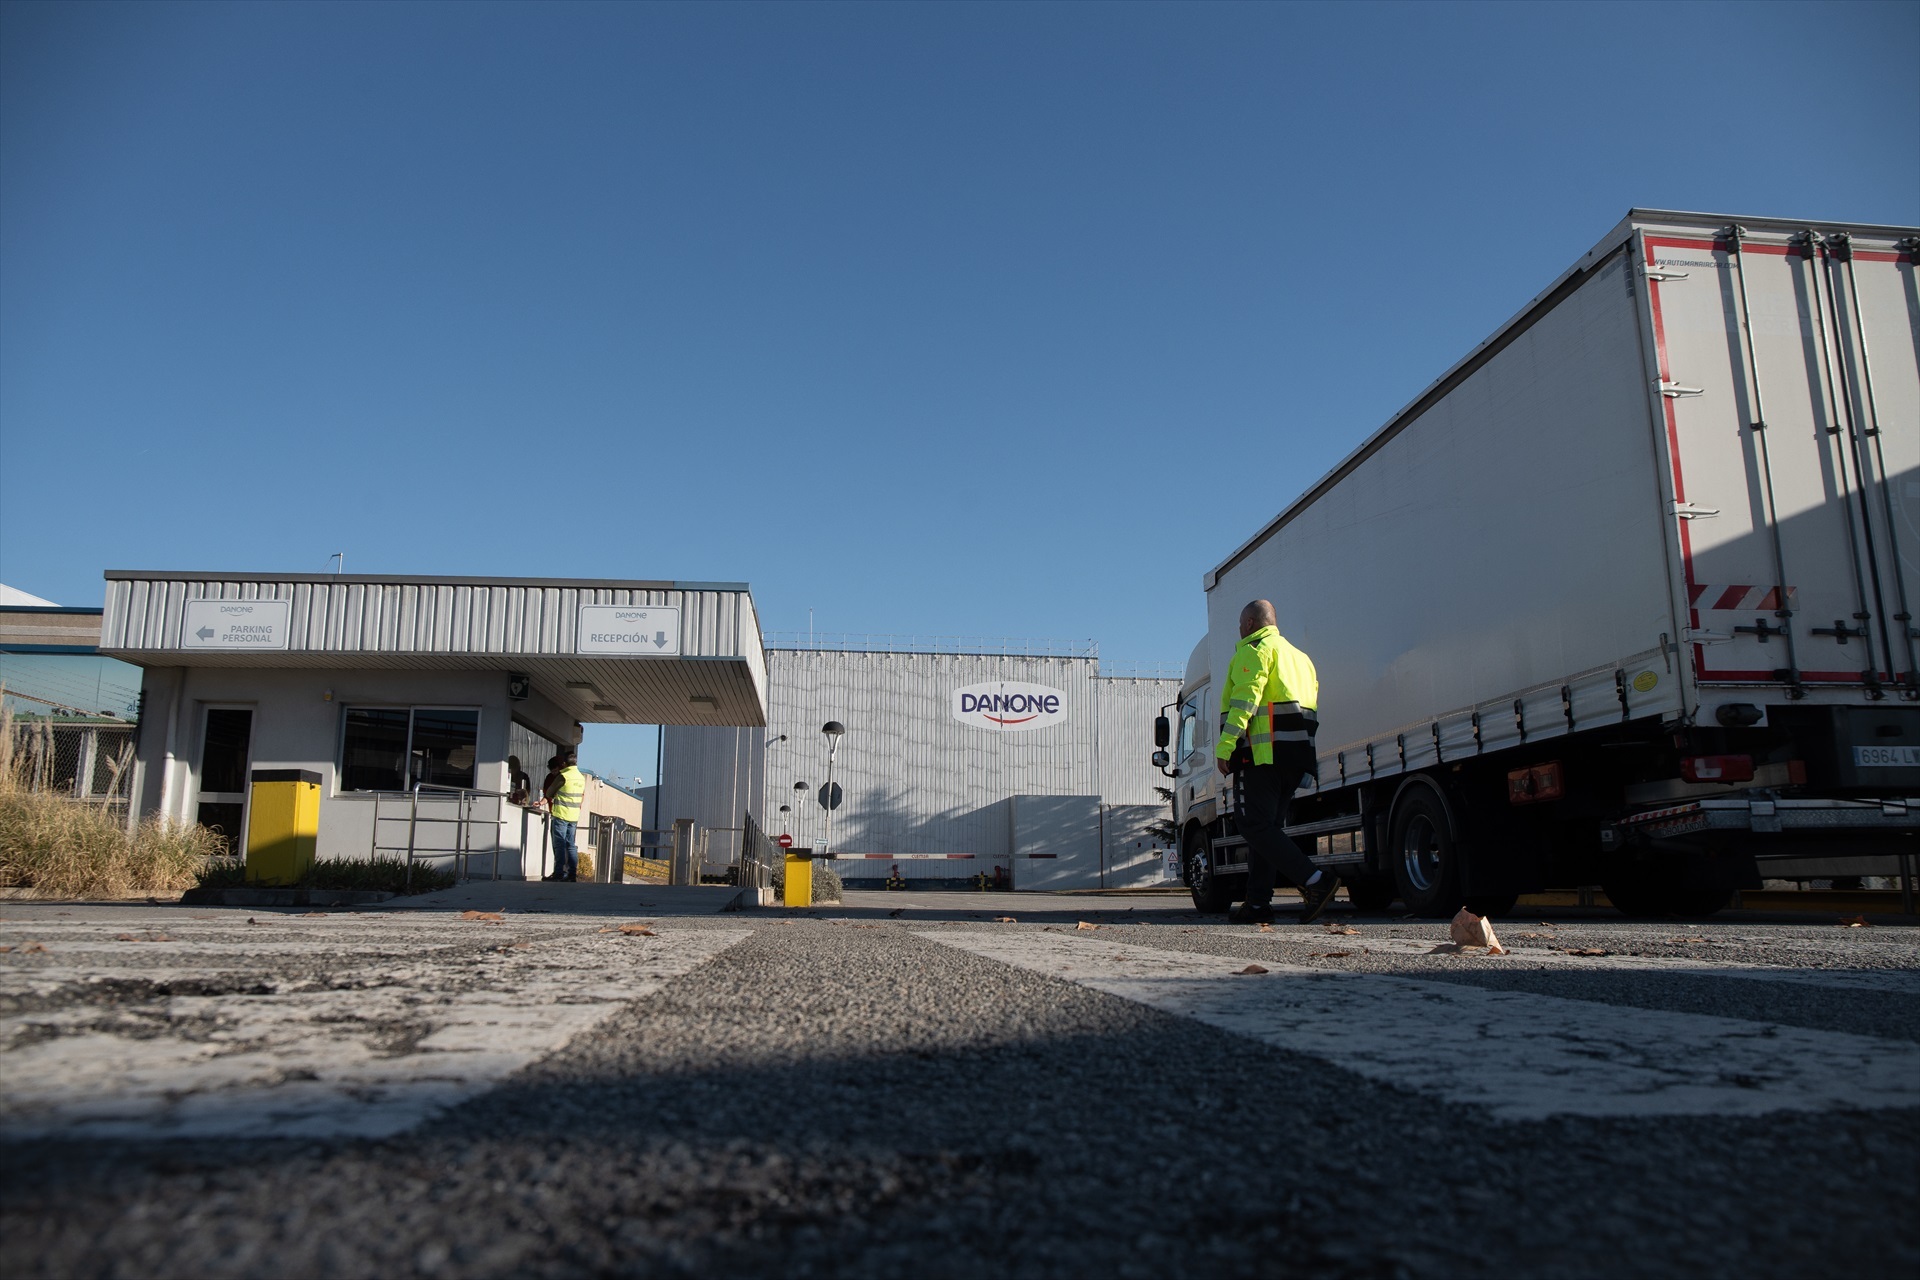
{"x": 58, "y": 847}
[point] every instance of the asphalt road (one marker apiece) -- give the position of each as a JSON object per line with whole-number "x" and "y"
{"x": 906, "y": 1085}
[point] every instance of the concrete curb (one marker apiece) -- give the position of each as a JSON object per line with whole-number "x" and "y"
{"x": 241, "y": 897}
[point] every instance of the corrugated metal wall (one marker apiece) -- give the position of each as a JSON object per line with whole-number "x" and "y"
{"x": 361, "y": 616}
{"x": 916, "y": 780}
{"x": 1127, "y": 709}
{"x": 713, "y": 775}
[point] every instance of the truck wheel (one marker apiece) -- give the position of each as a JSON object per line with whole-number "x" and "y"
{"x": 1212, "y": 894}
{"x": 1370, "y": 895}
{"x": 1634, "y": 890}
{"x": 1426, "y": 858}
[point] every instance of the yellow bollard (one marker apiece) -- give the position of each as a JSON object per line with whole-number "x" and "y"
{"x": 283, "y": 825}
{"x": 799, "y": 879}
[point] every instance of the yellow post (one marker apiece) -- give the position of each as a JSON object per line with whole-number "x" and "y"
{"x": 283, "y": 825}
{"x": 799, "y": 879}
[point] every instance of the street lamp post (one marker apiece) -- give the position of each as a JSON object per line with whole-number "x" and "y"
{"x": 833, "y": 729}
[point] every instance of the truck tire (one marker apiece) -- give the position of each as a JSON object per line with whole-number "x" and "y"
{"x": 1370, "y": 895}
{"x": 1691, "y": 887}
{"x": 1212, "y": 894}
{"x": 1426, "y": 857}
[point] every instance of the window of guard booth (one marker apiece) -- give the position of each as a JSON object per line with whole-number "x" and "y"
{"x": 445, "y": 742}
{"x": 392, "y": 748}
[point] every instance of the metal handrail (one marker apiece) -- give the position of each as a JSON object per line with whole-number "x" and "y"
{"x": 462, "y": 852}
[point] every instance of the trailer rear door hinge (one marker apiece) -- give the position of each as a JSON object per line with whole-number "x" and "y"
{"x": 1662, "y": 273}
{"x": 1694, "y": 511}
{"x": 1708, "y": 637}
{"x": 1673, "y": 390}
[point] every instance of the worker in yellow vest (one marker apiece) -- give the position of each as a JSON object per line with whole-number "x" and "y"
{"x": 1271, "y": 698}
{"x": 566, "y": 787}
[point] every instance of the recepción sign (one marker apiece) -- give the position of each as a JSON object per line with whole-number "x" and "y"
{"x": 236, "y": 624}
{"x": 651, "y": 630}
{"x": 1008, "y": 706}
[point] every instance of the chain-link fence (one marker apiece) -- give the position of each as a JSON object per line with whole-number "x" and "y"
{"x": 85, "y": 759}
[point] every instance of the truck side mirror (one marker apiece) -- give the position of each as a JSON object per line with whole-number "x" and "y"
{"x": 1162, "y": 733}
{"x": 1161, "y": 759}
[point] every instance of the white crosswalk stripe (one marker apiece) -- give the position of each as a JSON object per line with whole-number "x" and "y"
{"x": 366, "y": 1059}
{"x": 1520, "y": 1055}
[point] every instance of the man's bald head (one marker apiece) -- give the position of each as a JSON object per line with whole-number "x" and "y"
{"x": 1257, "y": 614}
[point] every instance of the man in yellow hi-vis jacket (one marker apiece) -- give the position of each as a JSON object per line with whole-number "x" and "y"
{"x": 1271, "y": 697}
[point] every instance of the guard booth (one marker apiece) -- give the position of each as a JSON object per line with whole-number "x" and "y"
{"x": 329, "y": 716}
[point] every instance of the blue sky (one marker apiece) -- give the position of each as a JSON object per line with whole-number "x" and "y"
{"x": 931, "y": 318}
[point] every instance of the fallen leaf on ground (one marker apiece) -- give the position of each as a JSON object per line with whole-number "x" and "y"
{"x": 1588, "y": 951}
{"x": 1266, "y": 928}
{"x": 518, "y": 944}
{"x": 1005, "y": 920}
{"x": 1855, "y": 922}
{"x": 4, "y": 950}
{"x": 491, "y": 917}
{"x": 1252, "y": 968}
{"x": 1330, "y": 955}
{"x": 1470, "y": 930}
{"x": 638, "y": 931}
{"x": 33, "y": 946}
{"x": 1341, "y": 928}
{"x": 1084, "y": 925}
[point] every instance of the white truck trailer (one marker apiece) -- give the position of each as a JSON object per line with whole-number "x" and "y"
{"x": 1625, "y": 598}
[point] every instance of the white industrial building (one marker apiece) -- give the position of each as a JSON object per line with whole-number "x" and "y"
{"x": 402, "y": 698}
{"x": 1027, "y": 764}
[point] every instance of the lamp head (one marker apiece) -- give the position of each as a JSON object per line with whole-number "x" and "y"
{"x": 833, "y": 728}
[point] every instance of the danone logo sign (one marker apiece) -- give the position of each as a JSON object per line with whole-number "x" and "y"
{"x": 1006, "y": 706}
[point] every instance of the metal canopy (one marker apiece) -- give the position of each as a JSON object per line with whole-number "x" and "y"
{"x": 602, "y": 651}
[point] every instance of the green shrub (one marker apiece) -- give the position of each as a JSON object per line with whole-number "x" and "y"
{"x": 379, "y": 874}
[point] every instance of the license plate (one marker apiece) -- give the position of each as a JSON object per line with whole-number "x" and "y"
{"x": 1886, "y": 757}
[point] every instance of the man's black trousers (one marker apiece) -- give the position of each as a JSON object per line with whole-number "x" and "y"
{"x": 1264, "y": 792}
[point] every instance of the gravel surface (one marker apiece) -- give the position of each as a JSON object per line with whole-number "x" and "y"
{"x": 849, "y": 1097}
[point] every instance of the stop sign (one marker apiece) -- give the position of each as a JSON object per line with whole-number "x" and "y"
{"x": 785, "y": 842}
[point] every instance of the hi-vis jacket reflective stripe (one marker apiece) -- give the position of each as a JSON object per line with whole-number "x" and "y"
{"x": 1271, "y": 694}
{"x": 566, "y": 801}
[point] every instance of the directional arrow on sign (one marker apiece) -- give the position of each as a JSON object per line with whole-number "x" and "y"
{"x": 205, "y": 633}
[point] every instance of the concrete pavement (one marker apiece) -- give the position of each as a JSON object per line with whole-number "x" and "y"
{"x": 851, "y": 1091}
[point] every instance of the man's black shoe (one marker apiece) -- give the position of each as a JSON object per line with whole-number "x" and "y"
{"x": 1247, "y": 914}
{"x": 1315, "y": 897}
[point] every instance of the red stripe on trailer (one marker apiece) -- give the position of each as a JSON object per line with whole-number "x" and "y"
{"x": 1732, "y": 598}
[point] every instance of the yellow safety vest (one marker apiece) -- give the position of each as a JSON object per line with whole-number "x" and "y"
{"x": 1270, "y": 695}
{"x": 566, "y": 801}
